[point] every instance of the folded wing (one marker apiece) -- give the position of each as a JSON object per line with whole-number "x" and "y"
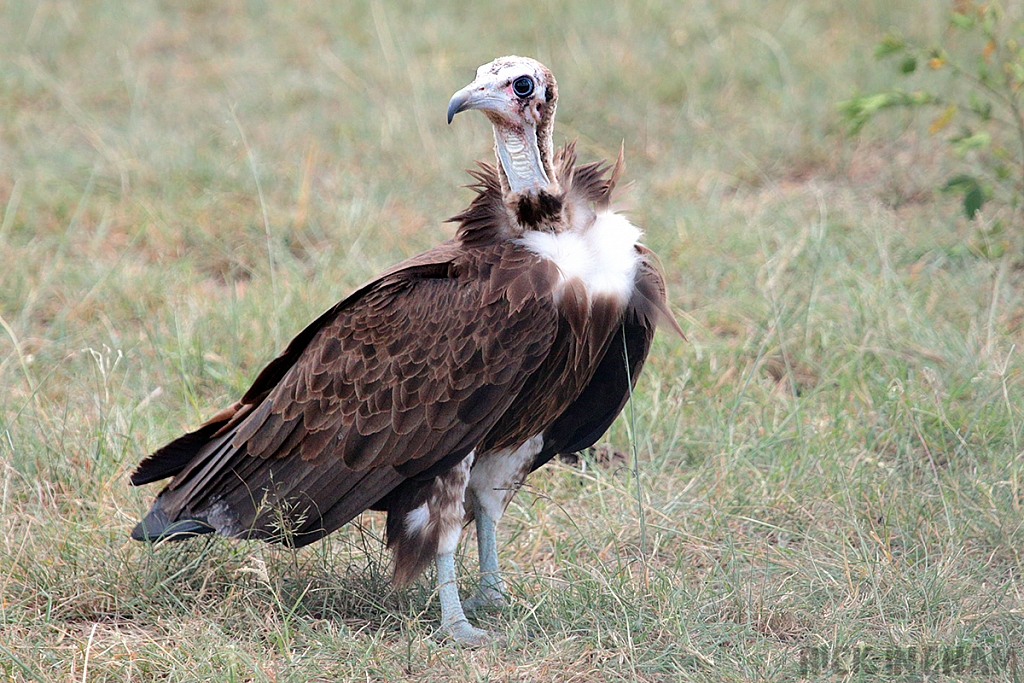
{"x": 406, "y": 375}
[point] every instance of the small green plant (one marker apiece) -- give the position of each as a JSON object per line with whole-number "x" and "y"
{"x": 980, "y": 103}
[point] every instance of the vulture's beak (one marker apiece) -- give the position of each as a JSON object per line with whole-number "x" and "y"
{"x": 459, "y": 102}
{"x": 480, "y": 94}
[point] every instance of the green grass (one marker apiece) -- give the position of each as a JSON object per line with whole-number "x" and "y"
{"x": 833, "y": 458}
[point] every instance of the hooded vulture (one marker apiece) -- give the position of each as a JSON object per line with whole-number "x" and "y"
{"x": 432, "y": 391}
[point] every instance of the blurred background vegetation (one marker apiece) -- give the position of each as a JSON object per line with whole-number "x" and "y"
{"x": 832, "y": 459}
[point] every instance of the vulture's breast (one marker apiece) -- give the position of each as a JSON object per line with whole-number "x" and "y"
{"x": 599, "y": 261}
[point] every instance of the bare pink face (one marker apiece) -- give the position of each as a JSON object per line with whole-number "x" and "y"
{"x": 511, "y": 91}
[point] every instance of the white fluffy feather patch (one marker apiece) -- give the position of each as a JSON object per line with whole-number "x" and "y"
{"x": 603, "y": 255}
{"x": 416, "y": 519}
{"x": 498, "y": 475}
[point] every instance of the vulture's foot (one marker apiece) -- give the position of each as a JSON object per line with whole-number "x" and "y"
{"x": 453, "y": 619}
{"x": 485, "y": 598}
{"x": 467, "y": 635}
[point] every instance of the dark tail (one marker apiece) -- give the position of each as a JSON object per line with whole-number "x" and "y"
{"x": 167, "y": 462}
{"x": 156, "y": 526}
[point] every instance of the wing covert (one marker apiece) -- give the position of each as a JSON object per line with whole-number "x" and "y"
{"x": 419, "y": 366}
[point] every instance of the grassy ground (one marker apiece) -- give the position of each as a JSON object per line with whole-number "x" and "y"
{"x": 833, "y": 460}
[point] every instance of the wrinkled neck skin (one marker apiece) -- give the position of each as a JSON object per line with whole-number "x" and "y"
{"x": 519, "y": 155}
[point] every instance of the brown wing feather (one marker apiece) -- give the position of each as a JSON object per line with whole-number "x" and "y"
{"x": 417, "y": 366}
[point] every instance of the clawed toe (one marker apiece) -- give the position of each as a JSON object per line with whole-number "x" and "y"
{"x": 467, "y": 635}
{"x": 484, "y": 599}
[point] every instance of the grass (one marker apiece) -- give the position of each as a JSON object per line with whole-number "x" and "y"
{"x": 833, "y": 459}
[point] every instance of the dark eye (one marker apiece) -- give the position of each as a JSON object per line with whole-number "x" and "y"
{"x": 523, "y": 86}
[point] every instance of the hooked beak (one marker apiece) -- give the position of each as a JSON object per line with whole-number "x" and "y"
{"x": 460, "y": 101}
{"x": 480, "y": 94}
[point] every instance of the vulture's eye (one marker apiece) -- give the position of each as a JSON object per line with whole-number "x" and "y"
{"x": 523, "y": 86}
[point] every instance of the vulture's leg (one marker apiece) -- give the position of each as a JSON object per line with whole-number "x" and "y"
{"x": 494, "y": 479}
{"x": 453, "y": 619}
{"x": 491, "y": 592}
{"x": 446, "y": 511}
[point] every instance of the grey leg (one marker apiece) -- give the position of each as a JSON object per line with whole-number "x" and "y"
{"x": 491, "y": 592}
{"x": 453, "y": 619}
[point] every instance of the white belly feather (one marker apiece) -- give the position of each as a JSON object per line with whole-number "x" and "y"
{"x": 603, "y": 256}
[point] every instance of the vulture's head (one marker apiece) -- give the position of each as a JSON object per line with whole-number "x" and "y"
{"x": 511, "y": 91}
{"x": 518, "y": 96}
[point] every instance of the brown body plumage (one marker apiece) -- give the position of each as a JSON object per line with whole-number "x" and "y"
{"x": 448, "y": 361}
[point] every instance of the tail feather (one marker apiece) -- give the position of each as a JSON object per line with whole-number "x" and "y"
{"x": 156, "y": 526}
{"x": 166, "y": 462}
